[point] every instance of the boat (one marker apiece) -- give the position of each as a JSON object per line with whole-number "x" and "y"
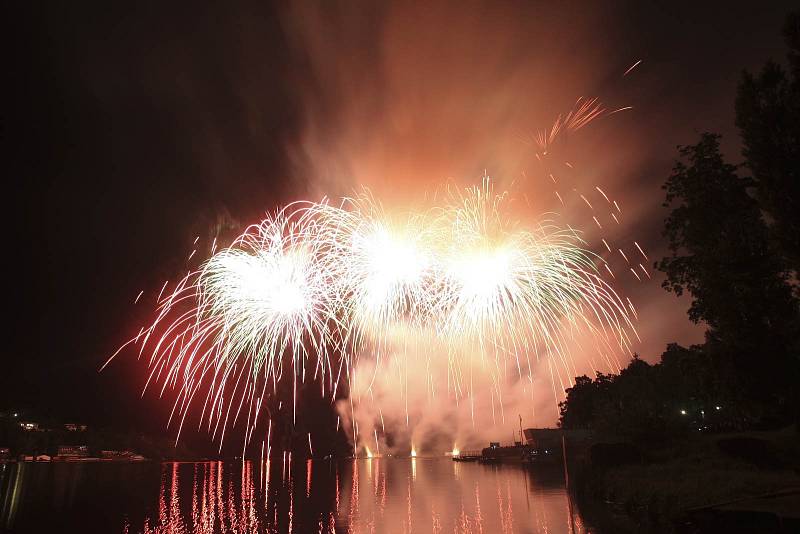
{"x": 496, "y": 453}
{"x": 467, "y": 456}
{"x": 531, "y": 446}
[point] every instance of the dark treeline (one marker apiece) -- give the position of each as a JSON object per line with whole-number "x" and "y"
{"x": 734, "y": 248}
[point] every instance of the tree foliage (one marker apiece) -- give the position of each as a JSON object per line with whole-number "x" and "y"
{"x": 768, "y": 118}
{"x": 734, "y": 248}
{"x": 682, "y": 393}
{"x": 718, "y": 245}
{"x": 720, "y": 253}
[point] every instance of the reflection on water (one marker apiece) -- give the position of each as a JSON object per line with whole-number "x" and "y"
{"x": 359, "y": 496}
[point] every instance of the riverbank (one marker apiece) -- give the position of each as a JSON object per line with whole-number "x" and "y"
{"x": 672, "y": 487}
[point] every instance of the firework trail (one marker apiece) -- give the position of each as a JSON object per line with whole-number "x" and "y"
{"x": 585, "y": 111}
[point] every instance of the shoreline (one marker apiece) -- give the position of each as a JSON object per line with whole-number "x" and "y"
{"x": 684, "y": 485}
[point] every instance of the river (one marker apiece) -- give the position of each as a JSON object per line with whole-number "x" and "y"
{"x": 380, "y": 495}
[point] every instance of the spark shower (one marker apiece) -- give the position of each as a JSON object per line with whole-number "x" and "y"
{"x": 450, "y": 300}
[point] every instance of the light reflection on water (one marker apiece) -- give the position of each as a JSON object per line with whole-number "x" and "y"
{"x": 360, "y": 496}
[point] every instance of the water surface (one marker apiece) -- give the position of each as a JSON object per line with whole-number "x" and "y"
{"x": 392, "y": 495}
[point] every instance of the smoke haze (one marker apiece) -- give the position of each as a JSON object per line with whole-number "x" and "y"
{"x": 403, "y": 99}
{"x": 140, "y": 126}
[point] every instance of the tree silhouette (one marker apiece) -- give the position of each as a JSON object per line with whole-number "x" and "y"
{"x": 738, "y": 270}
{"x": 721, "y": 255}
{"x": 768, "y": 118}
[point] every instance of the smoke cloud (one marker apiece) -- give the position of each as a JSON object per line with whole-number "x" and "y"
{"x": 402, "y": 99}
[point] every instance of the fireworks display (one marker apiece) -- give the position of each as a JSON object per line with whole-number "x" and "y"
{"x": 457, "y": 304}
{"x": 317, "y": 286}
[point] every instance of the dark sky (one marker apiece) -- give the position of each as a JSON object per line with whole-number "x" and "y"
{"x": 133, "y": 129}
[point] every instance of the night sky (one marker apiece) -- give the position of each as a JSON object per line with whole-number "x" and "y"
{"x": 131, "y": 130}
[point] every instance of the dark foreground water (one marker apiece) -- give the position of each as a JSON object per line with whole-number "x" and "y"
{"x": 360, "y": 496}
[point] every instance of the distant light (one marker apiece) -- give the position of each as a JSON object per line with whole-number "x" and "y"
{"x": 16, "y": 414}
{"x": 717, "y": 407}
{"x": 683, "y": 412}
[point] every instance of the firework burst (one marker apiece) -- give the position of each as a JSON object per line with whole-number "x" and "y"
{"x": 317, "y": 286}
